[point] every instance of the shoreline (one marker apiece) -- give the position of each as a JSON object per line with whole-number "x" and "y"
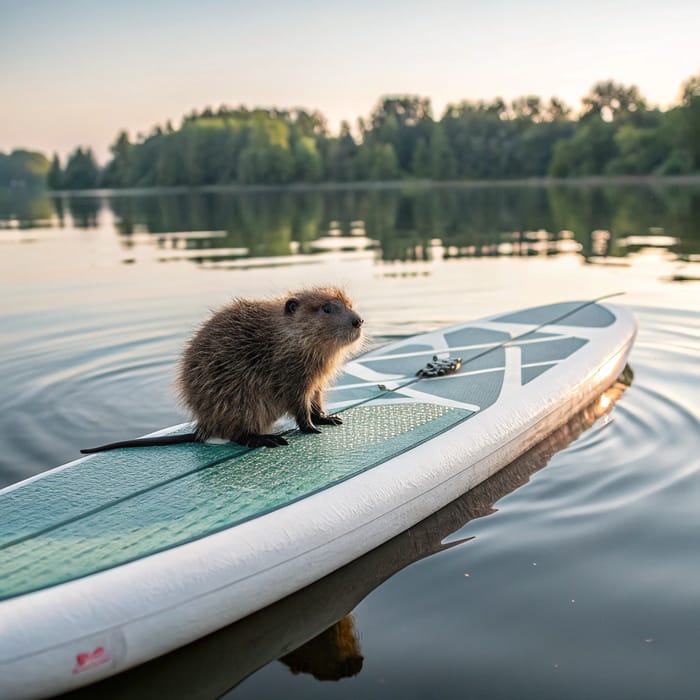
{"x": 588, "y": 181}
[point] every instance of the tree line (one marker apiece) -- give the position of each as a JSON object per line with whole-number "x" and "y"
{"x": 616, "y": 133}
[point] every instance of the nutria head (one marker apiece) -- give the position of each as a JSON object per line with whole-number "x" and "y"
{"x": 323, "y": 315}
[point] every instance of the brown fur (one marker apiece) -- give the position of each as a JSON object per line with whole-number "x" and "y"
{"x": 254, "y": 361}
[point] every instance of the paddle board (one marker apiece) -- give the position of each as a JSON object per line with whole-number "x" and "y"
{"x": 313, "y": 623}
{"x": 119, "y": 557}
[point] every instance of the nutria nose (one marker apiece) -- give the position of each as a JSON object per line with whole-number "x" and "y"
{"x": 357, "y": 322}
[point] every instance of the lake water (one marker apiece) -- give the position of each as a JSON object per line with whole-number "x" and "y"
{"x": 572, "y": 574}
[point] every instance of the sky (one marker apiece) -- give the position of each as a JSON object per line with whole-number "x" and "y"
{"x": 76, "y": 72}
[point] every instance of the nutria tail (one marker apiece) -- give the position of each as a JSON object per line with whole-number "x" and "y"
{"x": 145, "y": 442}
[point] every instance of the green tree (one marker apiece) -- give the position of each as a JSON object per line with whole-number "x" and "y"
{"x": 23, "y": 168}
{"x": 54, "y": 179}
{"x": 401, "y": 121}
{"x": 481, "y": 139}
{"x": 384, "y": 164}
{"x": 610, "y": 100}
{"x": 587, "y": 152}
{"x": 690, "y": 123}
{"x": 442, "y": 162}
{"x": 307, "y": 166}
{"x": 535, "y": 146}
{"x": 81, "y": 172}
{"x": 280, "y": 166}
{"x": 420, "y": 163}
{"x": 529, "y": 108}
{"x": 639, "y": 151}
{"x": 341, "y": 154}
{"x": 556, "y": 110}
{"x": 117, "y": 173}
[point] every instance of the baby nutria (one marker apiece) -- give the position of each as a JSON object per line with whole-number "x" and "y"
{"x": 256, "y": 360}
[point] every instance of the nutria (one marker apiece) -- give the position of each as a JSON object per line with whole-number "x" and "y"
{"x": 254, "y": 361}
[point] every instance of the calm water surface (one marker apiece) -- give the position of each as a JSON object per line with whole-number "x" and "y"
{"x": 572, "y": 574}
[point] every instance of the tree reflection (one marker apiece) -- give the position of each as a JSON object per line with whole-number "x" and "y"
{"x": 84, "y": 211}
{"x": 407, "y": 223}
{"x": 24, "y": 208}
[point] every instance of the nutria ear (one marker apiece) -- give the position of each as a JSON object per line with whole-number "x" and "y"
{"x": 291, "y": 306}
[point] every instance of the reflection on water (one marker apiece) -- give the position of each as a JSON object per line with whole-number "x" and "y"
{"x": 604, "y": 225}
{"x": 329, "y": 656}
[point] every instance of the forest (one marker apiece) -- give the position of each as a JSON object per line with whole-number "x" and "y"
{"x": 616, "y": 132}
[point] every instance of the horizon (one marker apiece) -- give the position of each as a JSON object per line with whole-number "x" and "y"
{"x": 100, "y": 70}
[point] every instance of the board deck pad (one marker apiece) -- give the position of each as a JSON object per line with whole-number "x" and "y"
{"x": 215, "y": 497}
{"x": 118, "y": 506}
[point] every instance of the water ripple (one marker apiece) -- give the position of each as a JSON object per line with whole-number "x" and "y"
{"x": 80, "y": 384}
{"x": 627, "y": 460}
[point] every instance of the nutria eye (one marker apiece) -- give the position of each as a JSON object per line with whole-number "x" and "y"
{"x": 327, "y": 307}
{"x": 291, "y": 306}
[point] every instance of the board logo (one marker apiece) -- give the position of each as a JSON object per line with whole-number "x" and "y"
{"x": 86, "y": 660}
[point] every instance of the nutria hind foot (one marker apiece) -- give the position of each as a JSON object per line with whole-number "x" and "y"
{"x": 325, "y": 419}
{"x": 256, "y": 440}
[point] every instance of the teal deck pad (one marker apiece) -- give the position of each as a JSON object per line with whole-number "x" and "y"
{"x": 475, "y": 336}
{"x": 570, "y": 313}
{"x": 97, "y": 481}
{"x": 216, "y": 497}
{"x": 527, "y": 374}
{"x": 550, "y": 350}
{"x": 480, "y": 389}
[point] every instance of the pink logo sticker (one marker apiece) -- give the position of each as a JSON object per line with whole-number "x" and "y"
{"x": 91, "y": 659}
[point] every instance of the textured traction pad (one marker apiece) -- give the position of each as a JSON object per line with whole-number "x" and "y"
{"x": 218, "y": 495}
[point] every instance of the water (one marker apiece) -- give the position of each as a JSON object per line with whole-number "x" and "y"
{"x": 572, "y": 574}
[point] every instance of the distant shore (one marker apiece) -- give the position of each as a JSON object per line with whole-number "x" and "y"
{"x": 589, "y": 181}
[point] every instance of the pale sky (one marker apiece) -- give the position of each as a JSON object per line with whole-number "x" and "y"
{"x": 75, "y": 72}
